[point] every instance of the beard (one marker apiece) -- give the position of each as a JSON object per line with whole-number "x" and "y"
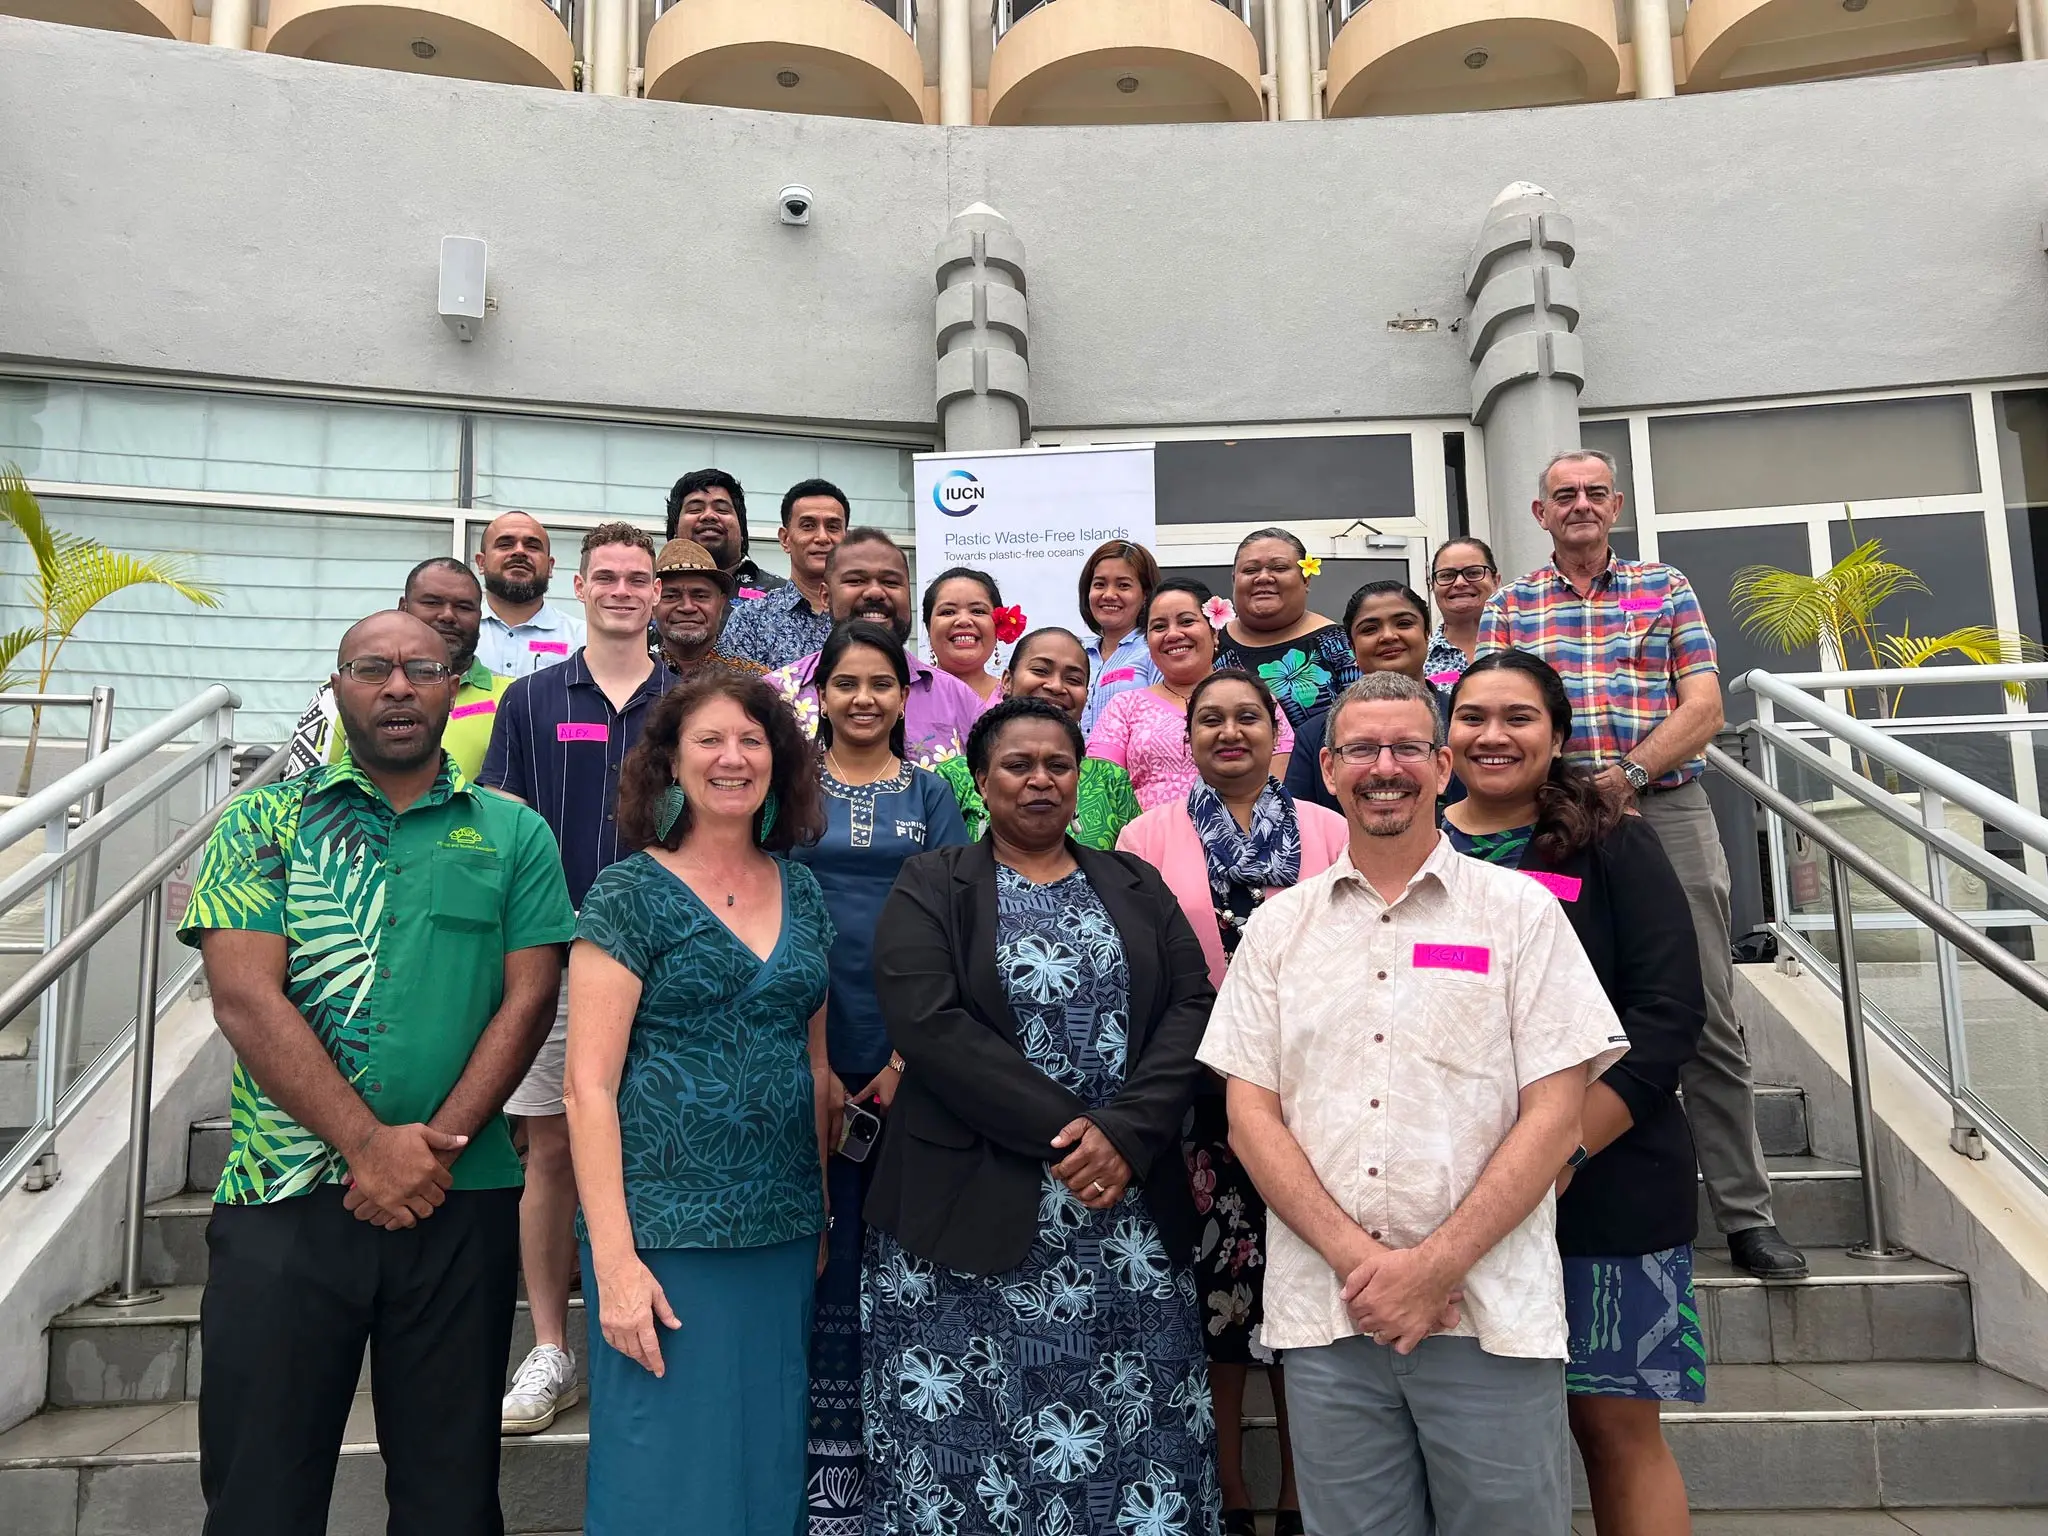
{"x": 1383, "y": 820}
{"x": 515, "y": 591}
{"x": 897, "y": 624}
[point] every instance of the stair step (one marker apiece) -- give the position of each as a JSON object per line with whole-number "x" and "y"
{"x": 174, "y": 1239}
{"x": 1847, "y": 1310}
{"x": 1781, "y": 1120}
{"x": 1817, "y": 1203}
{"x": 207, "y": 1154}
{"x": 1844, "y": 1437}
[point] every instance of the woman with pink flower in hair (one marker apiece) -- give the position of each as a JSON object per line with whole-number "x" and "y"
{"x": 964, "y": 618}
{"x": 1145, "y": 731}
{"x": 1225, "y": 845}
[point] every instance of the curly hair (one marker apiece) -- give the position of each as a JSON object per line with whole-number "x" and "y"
{"x": 1571, "y": 811}
{"x": 646, "y": 775}
{"x": 981, "y": 741}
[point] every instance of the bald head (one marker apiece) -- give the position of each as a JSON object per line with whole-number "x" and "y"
{"x": 393, "y": 634}
{"x": 516, "y": 558}
{"x": 393, "y": 723}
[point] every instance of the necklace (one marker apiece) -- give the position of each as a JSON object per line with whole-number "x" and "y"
{"x": 832, "y": 767}
{"x": 729, "y": 886}
{"x": 1183, "y": 697}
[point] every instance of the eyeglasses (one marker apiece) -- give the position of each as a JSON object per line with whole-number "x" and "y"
{"x": 376, "y": 669}
{"x": 1363, "y": 754}
{"x": 1451, "y": 575}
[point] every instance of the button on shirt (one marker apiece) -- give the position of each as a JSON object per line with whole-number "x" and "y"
{"x": 1622, "y": 650}
{"x": 1398, "y": 1036}
{"x": 937, "y": 714}
{"x": 396, "y": 927}
{"x": 558, "y": 746}
{"x": 776, "y": 628}
{"x": 518, "y": 650}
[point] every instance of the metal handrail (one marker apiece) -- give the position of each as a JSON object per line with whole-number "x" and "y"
{"x": 1846, "y": 858}
{"x": 146, "y": 889}
{"x": 1902, "y": 677}
{"x": 1993, "y": 808}
{"x": 100, "y": 771}
{"x": 1987, "y": 867}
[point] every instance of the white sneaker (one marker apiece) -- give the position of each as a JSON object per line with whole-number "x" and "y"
{"x": 544, "y": 1385}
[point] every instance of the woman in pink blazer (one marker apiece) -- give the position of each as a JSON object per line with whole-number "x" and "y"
{"x": 1224, "y": 847}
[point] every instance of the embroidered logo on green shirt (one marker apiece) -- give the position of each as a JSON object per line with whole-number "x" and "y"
{"x": 467, "y": 837}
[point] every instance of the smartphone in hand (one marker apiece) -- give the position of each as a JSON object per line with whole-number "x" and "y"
{"x": 859, "y": 1132}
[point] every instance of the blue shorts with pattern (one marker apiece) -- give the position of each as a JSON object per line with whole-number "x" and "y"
{"x": 1634, "y": 1330}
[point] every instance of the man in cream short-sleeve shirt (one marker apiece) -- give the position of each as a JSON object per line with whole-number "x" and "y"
{"x": 1408, "y": 1037}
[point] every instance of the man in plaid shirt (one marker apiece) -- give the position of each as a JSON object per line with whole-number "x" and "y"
{"x": 1633, "y": 648}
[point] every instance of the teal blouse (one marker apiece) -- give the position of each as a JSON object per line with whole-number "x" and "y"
{"x": 715, "y": 1109}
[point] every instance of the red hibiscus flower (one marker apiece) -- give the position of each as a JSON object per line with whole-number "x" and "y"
{"x": 1009, "y": 623}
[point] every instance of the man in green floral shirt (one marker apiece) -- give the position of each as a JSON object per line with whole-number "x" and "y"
{"x": 383, "y": 943}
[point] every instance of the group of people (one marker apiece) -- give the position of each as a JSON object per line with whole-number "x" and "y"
{"x": 959, "y": 1082}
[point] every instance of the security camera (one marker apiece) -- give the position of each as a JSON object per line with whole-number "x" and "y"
{"x": 793, "y": 205}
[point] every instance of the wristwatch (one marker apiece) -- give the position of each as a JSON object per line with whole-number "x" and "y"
{"x": 1579, "y": 1155}
{"x": 896, "y": 1062}
{"x": 1637, "y": 775}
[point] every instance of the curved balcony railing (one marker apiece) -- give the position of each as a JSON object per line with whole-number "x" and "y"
{"x": 1008, "y": 13}
{"x": 904, "y": 11}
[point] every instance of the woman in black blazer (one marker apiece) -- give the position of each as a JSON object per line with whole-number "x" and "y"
{"x": 1033, "y": 1331}
{"x": 1628, "y": 1204}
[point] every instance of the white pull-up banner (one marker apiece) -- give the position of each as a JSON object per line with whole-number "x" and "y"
{"x": 1030, "y": 518}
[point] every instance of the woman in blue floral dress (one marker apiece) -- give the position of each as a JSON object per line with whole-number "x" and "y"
{"x": 1034, "y": 1362}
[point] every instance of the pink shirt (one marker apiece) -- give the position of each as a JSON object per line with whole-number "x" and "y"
{"x": 1165, "y": 838}
{"x": 1148, "y": 738}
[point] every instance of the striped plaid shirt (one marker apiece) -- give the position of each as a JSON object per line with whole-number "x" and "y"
{"x": 1621, "y": 650}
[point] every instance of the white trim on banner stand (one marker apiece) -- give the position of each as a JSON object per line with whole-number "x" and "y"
{"x": 1030, "y": 517}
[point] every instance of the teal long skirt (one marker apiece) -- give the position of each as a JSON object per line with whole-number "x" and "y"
{"x": 715, "y": 1443}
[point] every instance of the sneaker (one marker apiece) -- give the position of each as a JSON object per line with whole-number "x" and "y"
{"x": 543, "y": 1386}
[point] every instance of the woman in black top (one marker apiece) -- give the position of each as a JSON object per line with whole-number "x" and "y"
{"x": 1627, "y": 1205}
{"x": 1033, "y": 1338}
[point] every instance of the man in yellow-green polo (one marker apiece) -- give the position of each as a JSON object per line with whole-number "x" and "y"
{"x": 442, "y": 594}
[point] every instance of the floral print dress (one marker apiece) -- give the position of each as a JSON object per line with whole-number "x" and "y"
{"x": 1070, "y": 1395}
{"x": 1305, "y": 675}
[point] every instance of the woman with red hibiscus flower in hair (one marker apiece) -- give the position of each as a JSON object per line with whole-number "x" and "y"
{"x": 964, "y": 617}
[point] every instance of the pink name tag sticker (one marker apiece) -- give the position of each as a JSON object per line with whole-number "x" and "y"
{"x": 1641, "y": 604}
{"x": 1476, "y": 958}
{"x": 1442, "y": 679}
{"x": 548, "y": 647}
{"x": 1118, "y": 675}
{"x": 478, "y": 707}
{"x": 750, "y": 592}
{"x": 570, "y": 731}
{"x": 1563, "y": 887}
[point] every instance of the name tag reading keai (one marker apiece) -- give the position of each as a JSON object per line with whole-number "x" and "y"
{"x": 1476, "y": 958}
{"x": 1641, "y": 604}
{"x": 477, "y": 707}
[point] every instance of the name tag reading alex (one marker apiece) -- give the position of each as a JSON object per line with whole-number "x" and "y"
{"x": 1563, "y": 887}
{"x": 1476, "y": 958}
{"x": 571, "y": 731}
{"x": 548, "y": 647}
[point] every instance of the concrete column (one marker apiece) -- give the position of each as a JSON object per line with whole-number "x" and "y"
{"x": 233, "y": 24}
{"x": 2031, "y": 20}
{"x": 611, "y": 34}
{"x": 956, "y": 62}
{"x": 1294, "y": 69}
{"x": 1650, "y": 25}
{"x": 983, "y": 334}
{"x": 1527, "y": 365}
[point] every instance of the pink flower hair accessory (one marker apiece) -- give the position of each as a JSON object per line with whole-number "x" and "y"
{"x": 1218, "y": 612}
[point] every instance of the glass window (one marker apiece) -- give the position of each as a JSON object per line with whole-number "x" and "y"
{"x": 600, "y": 469}
{"x": 2023, "y": 466}
{"x": 1801, "y": 455}
{"x": 291, "y": 583}
{"x": 1611, "y": 438}
{"x": 1710, "y": 558}
{"x": 1284, "y": 480}
{"x": 193, "y": 440}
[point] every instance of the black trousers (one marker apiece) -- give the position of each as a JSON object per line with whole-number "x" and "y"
{"x": 294, "y": 1291}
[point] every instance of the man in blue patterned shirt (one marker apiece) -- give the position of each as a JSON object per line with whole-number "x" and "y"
{"x": 776, "y": 628}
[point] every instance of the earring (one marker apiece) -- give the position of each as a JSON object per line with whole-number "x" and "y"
{"x": 769, "y": 807}
{"x": 673, "y": 803}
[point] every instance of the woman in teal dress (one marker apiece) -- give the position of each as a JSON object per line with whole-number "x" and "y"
{"x": 1050, "y": 664}
{"x": 879, "y": 810}
{"x": 699, "y": 1112}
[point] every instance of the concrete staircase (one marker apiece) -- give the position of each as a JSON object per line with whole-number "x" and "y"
{"x": 1854, "y": 1391}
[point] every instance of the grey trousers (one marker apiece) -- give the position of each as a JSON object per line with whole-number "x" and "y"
{"x": 1448, "y": 1441}
{"x": 1720, "y": 1102}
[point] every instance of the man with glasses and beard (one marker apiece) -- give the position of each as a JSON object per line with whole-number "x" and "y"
{"x": 522, "y": 632}
{"x": 383, "y": 942}
{"x": 1408, "y": 1038}
{"x": 868, "y": 577}
{"x": 444, "y": 595}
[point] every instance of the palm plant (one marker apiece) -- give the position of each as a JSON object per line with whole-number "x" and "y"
{"x": 72, "y": 576}
{"x": 1829, "y": 612}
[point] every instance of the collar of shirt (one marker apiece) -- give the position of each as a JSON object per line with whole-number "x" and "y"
{"x": 547, "y": 620}
{"x": 1344, "y": 875}
{"x": 478, "y": 676}
{"x": 660, "y": 678}
{"x": 1603, "y": 579}
{"x": 1092, "y": 646}
{"x": 448, "y": 783}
